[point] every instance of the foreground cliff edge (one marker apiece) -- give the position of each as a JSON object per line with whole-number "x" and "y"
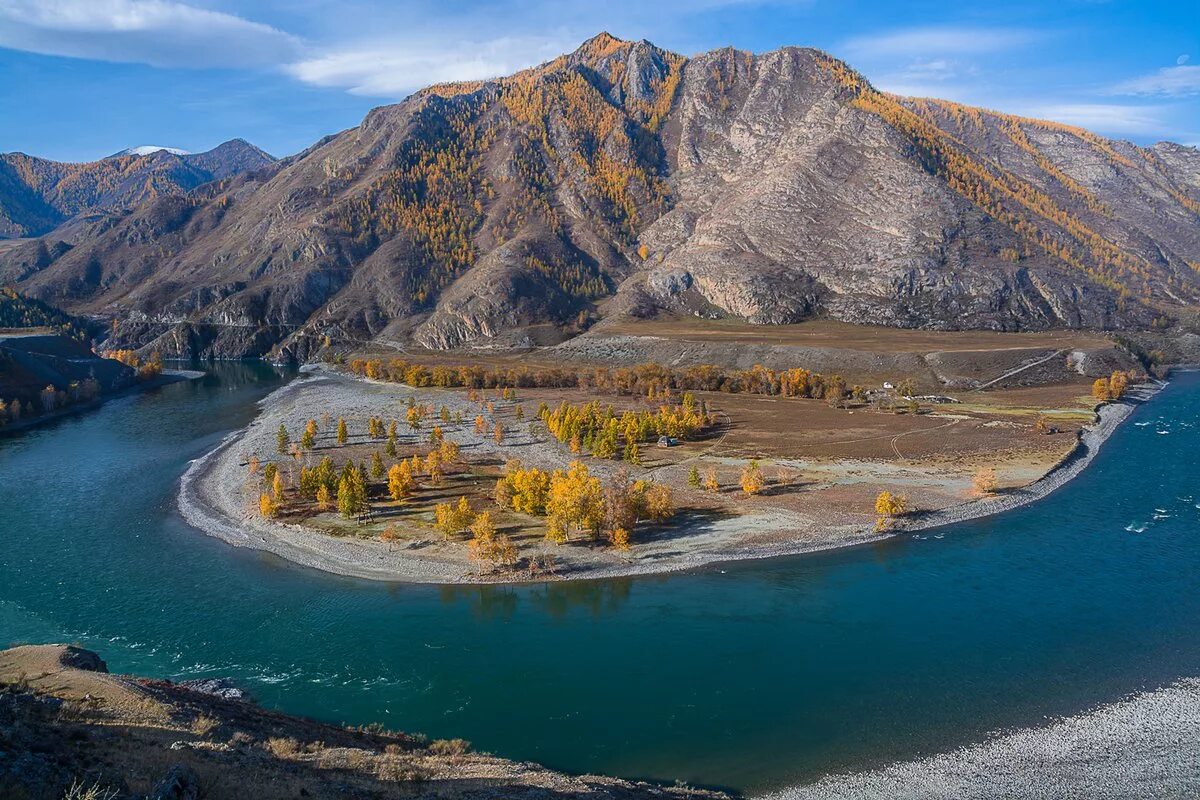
{"x": 65, "y": 721}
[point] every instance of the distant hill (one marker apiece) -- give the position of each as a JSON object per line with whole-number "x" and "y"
{"x": 626, "y": 180}
{"x": 37, "y": 195}
{"x": 42, "y": 346}
{"x": 18, "y": 312}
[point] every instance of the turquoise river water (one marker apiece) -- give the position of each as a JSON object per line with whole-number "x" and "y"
{"x": 749, "y": 676}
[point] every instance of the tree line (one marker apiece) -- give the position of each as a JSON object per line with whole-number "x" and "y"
{"x": 650, "y": 380}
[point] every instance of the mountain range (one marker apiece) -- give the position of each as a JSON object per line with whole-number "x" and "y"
{"x": 626, "y": 180}
{"x": 37, "y": 195}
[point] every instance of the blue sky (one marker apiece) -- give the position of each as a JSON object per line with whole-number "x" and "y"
{"x": 80, "y": 79}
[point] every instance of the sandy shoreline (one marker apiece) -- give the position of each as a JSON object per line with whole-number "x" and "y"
{"x": 211, "y": 499}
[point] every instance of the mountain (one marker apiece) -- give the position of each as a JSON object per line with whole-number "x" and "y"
{"x": 37, "y": 195}
{"x": 622, "y": 179}
{"x": 147, "y": 149}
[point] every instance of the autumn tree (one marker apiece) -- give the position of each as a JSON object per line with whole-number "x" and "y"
{"x": 693, "y": 477}
{"x": 309, "y": 439}
{"x": 377, "y": 471}
{"x": 575, "y": 502}
{"x": 619, "y": 538}
{"x": 433, "y": 468}
{"x": 352, "y": 492}
{"x": 1100, "y": 390}
{"x": 525, "y": 490}
{"x": 658, "y": 503}
{"x": 452, "y": 519}
{"x": 711, "y": 483}
{"x": 487, "y": 546}
{"x": 888, "y": 507}
{"x": 324, "y": 502}
{"x": 342, "y": 433}
{"x": 622, "y": 503}
{"x": 400, "y": 481}
{"x": 267, "y": 506}
{"x": 605, "y": 444}
{"x": 413, "y": 417}
{"x": 984, "y": 481}
{"x": 752, "y": 479}
{"x": 498, "y": 433}
{"x": 483, "y": 528}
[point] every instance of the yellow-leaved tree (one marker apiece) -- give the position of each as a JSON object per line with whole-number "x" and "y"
{"x": 400, "y": 481}
{"x": 576, "y": 502}
{"x": 888, "y": 506}
{"x": 752, "y": 479}
{"x": 984, "y": 481}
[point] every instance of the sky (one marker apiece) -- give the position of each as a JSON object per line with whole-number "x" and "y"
{"x": 81, "y": 79}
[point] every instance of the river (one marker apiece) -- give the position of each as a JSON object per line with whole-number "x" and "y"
{"x": 751, "y": 676}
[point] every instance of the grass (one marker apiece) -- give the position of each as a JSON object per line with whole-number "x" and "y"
{"x": 846, "y": 336}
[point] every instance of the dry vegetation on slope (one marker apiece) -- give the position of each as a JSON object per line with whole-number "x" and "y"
{"x": 64, "y": 721}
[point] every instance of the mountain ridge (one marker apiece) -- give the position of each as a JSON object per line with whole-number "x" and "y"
{"x": 38, "y": 194}
{"x": 623, "y": 179}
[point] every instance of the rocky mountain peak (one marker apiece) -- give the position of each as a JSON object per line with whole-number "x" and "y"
{"x": 622, "y": 178}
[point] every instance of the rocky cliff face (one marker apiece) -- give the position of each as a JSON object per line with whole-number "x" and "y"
{"x": 37, "y": 195}
{"x": 624, "y": 179}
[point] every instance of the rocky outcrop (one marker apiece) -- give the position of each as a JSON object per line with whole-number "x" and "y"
{"x": 625, "y": 179}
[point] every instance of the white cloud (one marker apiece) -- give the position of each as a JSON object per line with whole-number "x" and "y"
{"x": 1102, "y": 117}
{"x": 1183, "y": 59}
{"x": 1180, "y": 81}
{"x": 940, "y": 41}
{"x": 156, "y": 32}
{"x": 392, "y": 69}
{"x": 937, "y": 69}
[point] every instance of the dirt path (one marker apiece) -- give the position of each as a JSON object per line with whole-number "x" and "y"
{"x": 898, "y": 436}
{"x": 1019, "y": 370}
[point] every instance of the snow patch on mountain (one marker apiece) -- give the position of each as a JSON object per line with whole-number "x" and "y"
{"x": 147, "y": 149}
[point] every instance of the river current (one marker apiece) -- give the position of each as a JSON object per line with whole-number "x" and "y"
{"x": 751, "y": 676}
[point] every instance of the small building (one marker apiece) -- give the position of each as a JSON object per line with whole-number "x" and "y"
{"x": 667, "y": 441}
{"x": 888, "y": 385}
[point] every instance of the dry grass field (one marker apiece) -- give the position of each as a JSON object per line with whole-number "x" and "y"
{"x": 842, "y": 335}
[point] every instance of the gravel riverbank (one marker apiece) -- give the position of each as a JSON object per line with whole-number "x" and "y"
{"x": 1142, "y": 747}
{"x": 214, "y": 497}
